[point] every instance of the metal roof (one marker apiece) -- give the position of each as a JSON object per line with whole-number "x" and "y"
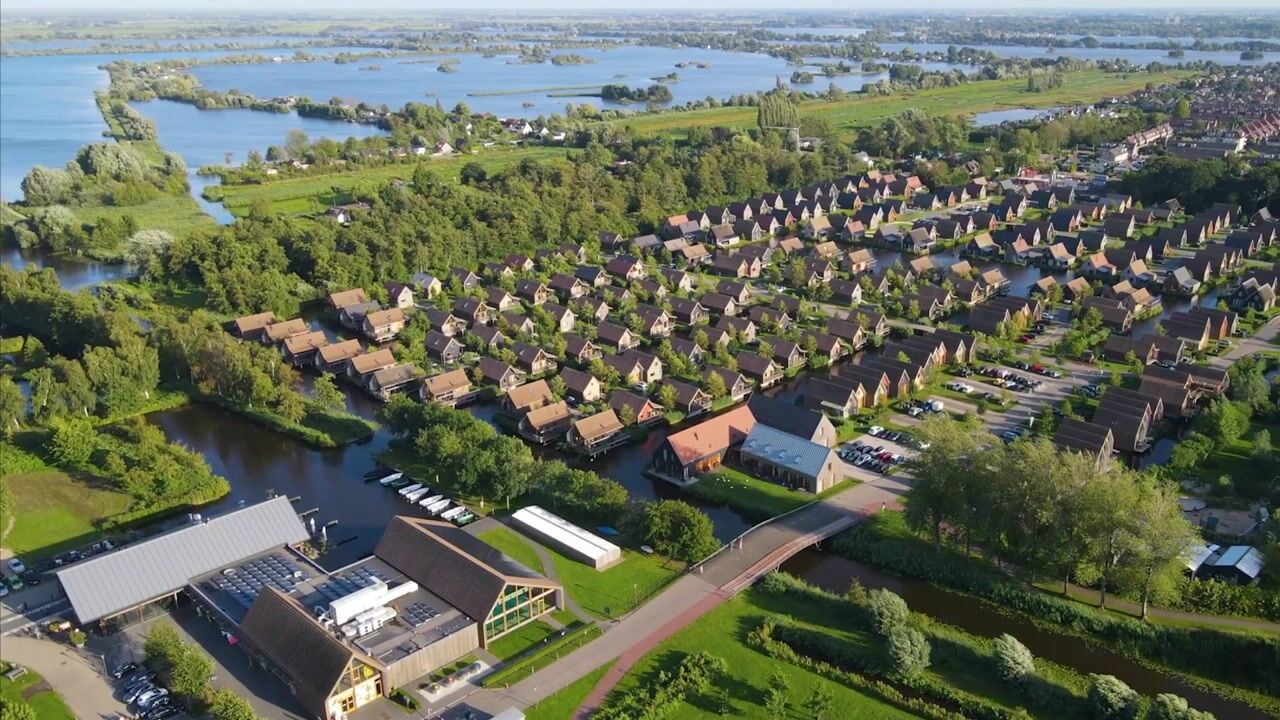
{"x": 112, "y": 583}
{"x": 1244, "y": 558}
{"x": 786, "y": 450}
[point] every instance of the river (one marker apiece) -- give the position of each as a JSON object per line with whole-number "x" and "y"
{"x": 835, "y": 573}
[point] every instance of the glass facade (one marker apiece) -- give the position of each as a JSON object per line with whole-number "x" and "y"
{"x": 517, "y": 605}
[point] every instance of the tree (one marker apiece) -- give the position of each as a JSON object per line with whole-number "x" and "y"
{"x": 190, "y": 672}
{"x": 33, "y": 352}
{"x": 1167, "y": 706}
{"x": 775, "y": 699}
{"x": 1160, "y": 535}
{"x": 72, "y": 442}
{"x": 1262, "y": 444}
{"x": 227, "y": 705}
{"x": 667, "y": 396}
{"x": 1014, "y": 662}
{"x": 1182, "y": 109}
{"x": 1223, "y": 421}
{"x": 908, "y": 651}
{"x": 1111, "y": 699}
{"x": 13, "y": 406}
{"x": 820, "y": 702}
{"x": 328, "y": 394}
{"x": 161, "y": 646}
{"x": 715, "y": 386}
{"x": 887, "y": 609}
{"x": 296, "y": 144}
{"x": 678, "y": 530}
{"x": 291, "y": 406}
{"x": 1249, "y": 386}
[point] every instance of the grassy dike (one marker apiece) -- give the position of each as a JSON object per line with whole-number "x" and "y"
{"x": 860, "y": 110}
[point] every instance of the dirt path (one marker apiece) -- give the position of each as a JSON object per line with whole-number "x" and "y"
{"x": 75, "y": 677}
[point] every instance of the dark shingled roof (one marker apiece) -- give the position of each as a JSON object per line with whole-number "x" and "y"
{"x": 282, "y": 630}
{"x": 463, "y": 570}
{"x": 785, "y": 416}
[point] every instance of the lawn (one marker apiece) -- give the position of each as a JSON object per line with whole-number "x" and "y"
{"x": 970, "y": 98}
{"x": 312, "y": 193}
{"x": 723, "y": 632}
{"x": 607, "y": 593}
{"x": 175, "y": 214}
{"x": 54, "y": 511}
{"x": 1237, "y": 460}
{"x": 520, "y": 639}
{"x": 48, "y": 705}
{"x": 563, "y": 703}
{"x": 757, "y": 499}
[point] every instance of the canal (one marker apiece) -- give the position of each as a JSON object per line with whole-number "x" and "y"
{"x": 835, "y": 574}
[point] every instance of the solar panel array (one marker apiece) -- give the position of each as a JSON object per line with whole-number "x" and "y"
{"x": 342, "y": 585}
{"x": 248, "y": 579}
{"x": 419, "y": 614}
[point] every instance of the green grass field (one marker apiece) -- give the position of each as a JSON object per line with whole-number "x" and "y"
{"x": 1238, "y": 461}
{"x": 31, "y": 689}
{"x": 53, "y": 511}
{"x": 758, "y": 499}
{"x": 561, "y": 705}
{"x": 968, "y": 99}
{"x": 520, "y": 639}
{"x": 723, "y": 632}
{"x": 175, "y": 214}
{"x": 314, "y": 193}
{"x": 610, "y": 593}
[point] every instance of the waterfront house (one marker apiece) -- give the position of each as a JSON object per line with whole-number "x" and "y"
{"x": 498, "y": 373}
{"x": 276, "y": 333}
{"x": 640, "y": 409}
{"x": 397, "y": 378}
{"x": 301, "y": 349}
{"x": 442, "y": 348}
{"x": 383, "y": 325}
{"x": 446, "y": 388}
{"x": 520, "y": 399}
{"x": 703, "y": 447}
{"x": 546, "y": 424}
{"x": 334, "y": 358}
{"x": 250, "y": 327}
{"x": 343, "y": 298}
{"x": 591, "y": 433}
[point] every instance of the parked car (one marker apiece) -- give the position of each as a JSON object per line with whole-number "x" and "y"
{"x": 164, "y": 711}
{"x": 126, "y": 668}
{"x": 16, "y": 566}
{"x": 131, "y": 694}
{"x": 14, "y": 582}
{"x": 151, "y": 697}
{"x": 874, "y": 430}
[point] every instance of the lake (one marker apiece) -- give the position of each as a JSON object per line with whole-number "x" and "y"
{"x": 1137, "y": 56}
{"x": 88, "y": 43}
{"x": 995, "y": 117}
{"x": 503, "y": 86}
{"x": 220, "y": 137}
{"x": 49, "y": 111}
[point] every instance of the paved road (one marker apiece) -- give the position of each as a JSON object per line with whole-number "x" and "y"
{"x": 1247, "y": 346}
{"x": 76, "y": 677}
{"x": 694, "y": 594}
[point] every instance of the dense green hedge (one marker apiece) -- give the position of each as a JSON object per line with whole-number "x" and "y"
{"x": 1252, "y": 662}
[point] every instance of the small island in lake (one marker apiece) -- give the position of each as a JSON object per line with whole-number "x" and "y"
{"x": 571, "y": 59}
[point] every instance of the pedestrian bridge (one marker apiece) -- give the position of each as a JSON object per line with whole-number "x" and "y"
{"x": 765, "y": 547}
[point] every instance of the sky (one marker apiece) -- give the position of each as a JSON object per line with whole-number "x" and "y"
{"x": 412, "y": 6}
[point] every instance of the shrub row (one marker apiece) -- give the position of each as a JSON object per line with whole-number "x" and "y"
{"x": 543, "y": 656}
{"x": 667, "y": 692}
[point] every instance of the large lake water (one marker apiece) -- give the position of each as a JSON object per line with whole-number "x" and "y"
{"x": 503, "y": 86}
{"x": 1137, "y": 56}
{"x": 154, "y": 42}
{"x": 47, "y": 112}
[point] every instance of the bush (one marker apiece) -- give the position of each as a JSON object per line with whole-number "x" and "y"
{"x": 888, "y": 611}
{"x": 77, "y": 638}
{"x": 1014, "y": 661}
{"x": 400, "y": 696}
{"x": 1111, "y": 699}
{"x": 1168, "y": 706}
{"x": 226, "y": 705}
{"x": 694, "y": 674}
{"x": 908, "y": 651}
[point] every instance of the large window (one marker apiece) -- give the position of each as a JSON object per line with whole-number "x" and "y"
{"x": 517, "y": 605}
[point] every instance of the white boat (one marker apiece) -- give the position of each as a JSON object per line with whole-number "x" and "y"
{"x": 404, "y": 491}
{"x": 391, "y": 478}
{"x": 437, "y": 506}
{"x": 452, "y": 512}
{"x": 432, "y": 499}
{"x": 417, "y": 494}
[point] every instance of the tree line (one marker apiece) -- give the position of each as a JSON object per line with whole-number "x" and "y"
{"x": 1046, "y": 509}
